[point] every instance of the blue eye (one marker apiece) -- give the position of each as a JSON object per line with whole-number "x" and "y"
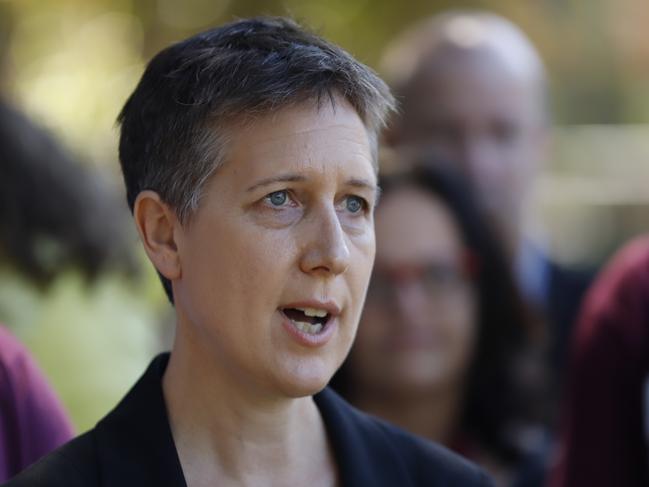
{"x": 278, "y": 198}
{"x": 354, "y": 204}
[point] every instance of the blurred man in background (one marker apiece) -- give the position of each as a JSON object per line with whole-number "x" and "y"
{"x": 473, "y": 91}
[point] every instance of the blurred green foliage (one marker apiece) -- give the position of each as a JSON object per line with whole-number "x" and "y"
{"x": 92, "y": 339}
{"x": 74, "y": 61}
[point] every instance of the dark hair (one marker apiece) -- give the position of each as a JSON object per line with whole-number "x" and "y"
{"x": 173, "y": 126}
{"x": 55, "y": 214}
{"x": 492, "y": 395}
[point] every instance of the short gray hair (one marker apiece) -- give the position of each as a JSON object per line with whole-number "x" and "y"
{"x": 174, "y": 125}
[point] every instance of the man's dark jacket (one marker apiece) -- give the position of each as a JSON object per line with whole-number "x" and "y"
{"x": 133, "y": 446}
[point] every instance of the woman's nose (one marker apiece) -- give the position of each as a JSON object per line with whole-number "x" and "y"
{"x": 411, "y": 303}
{"x": 326, "y": 251}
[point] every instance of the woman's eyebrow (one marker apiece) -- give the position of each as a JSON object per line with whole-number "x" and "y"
{"x": 293, "y": 177}
{"x": 366, "y": 184}
{"x": 282, "y": 178}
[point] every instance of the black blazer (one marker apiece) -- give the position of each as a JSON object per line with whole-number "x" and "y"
{"x": 133, "y": 446}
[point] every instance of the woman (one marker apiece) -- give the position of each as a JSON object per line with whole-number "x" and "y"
{"x": 248, "y": 154}
{"x": 443, "y": 332}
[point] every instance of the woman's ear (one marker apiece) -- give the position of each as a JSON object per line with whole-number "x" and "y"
{"x": 156, "y": 222}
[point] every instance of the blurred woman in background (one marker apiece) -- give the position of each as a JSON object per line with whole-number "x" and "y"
{"x": 442, "y": 346}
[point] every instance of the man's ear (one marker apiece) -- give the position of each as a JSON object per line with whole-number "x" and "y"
{"x": 156, "y": 223}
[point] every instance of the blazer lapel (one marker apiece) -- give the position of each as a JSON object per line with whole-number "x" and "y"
{"x": 363, "y": 451}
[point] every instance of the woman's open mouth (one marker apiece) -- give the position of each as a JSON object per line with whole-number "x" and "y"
{"x": 307, "y": 320}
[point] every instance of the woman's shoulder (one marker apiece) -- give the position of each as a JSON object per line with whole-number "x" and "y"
{"x": 370, "y": 449}
{"x": 72, "y": 465}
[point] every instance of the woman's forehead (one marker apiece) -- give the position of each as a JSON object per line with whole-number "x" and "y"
{"x": 412, "y": 224}
{"x": 302, "y": 139}
{"x": 300, "y": 121}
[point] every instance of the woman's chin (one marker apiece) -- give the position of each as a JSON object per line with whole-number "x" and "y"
{"x": 303, "y": 389}
{"x": 305, "y": 380}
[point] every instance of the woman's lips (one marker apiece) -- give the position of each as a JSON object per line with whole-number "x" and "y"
{"x": 414, "y": 340}
{"x": 308, "y": 320}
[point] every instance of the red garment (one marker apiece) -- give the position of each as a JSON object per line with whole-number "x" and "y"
{"x": 603, "y": 439}
{"x": 32, "y": 421}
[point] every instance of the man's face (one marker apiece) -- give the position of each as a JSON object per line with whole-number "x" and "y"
{"x": 470, "y": 111}
{"x": 276, "y": 260}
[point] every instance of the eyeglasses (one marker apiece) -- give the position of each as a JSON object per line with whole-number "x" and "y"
{"x": 436, "y": 281}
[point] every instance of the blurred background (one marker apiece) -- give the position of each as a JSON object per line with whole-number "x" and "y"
{"x": 70, "y": 65}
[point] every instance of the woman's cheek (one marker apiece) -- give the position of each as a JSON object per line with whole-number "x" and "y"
{"x": 356, "y": 224}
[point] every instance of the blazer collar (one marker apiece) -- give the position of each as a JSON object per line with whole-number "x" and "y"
{"x": 136, "y": 447}
{"x": 365, "y": 452}
{"x": 134, "y": 441}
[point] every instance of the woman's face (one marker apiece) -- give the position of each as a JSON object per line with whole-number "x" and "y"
{"x": 276, "y": 260}
{"x": 419, "y": 324}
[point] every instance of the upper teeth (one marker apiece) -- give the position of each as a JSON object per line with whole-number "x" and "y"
{"x": 319, "y": 313}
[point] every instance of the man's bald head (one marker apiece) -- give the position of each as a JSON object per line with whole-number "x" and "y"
{"x": 473, "y": 90}
{"x": 458, "y": 34}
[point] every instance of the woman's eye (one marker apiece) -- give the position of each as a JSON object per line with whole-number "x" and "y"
{"x": 278, "y": 198}
{"x": 354, "y": 204}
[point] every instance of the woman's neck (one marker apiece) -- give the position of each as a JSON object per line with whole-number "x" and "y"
{"x": 433, "y": 415}
{"x": 227, "y": 433}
